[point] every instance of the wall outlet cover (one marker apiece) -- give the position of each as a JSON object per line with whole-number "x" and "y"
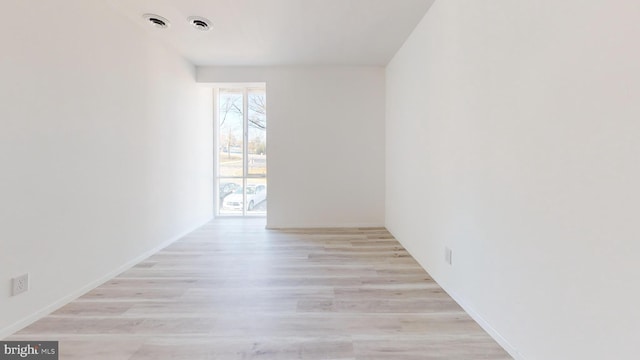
{"x": 20, "y": 284}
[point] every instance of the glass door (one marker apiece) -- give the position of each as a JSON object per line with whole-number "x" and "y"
{"x": 241, "y": 176}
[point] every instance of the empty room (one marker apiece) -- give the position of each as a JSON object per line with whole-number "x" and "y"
{"x": 320, "y": 179}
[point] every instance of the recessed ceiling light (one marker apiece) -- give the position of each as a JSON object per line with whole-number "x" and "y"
{"x": 156, "y": 20}
{"x": 200, "y": 23}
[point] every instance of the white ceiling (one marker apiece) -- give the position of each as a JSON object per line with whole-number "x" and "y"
{"x": 283, "y": 32}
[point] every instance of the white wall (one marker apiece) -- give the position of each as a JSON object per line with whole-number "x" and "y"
{"x": 325, "y": 139}
{"x": 105, "y": 148}
{"x": 512, "y": 136}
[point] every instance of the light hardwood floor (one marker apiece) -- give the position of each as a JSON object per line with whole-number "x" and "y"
{"x": 233, "y": 290}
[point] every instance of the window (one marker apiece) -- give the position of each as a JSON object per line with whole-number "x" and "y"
{"x": 241, "y": 150}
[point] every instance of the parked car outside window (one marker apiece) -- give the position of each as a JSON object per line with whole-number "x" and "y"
{"x": 255, "y": 195}
{"x": 227, "y": 188}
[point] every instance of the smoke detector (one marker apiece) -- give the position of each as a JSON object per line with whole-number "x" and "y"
{"x": 156, "y": 21}
{"x": 199, "y": 23}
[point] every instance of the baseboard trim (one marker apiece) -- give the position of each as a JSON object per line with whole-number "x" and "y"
{"x": 484, "y": 324}
{"x": 324, "y": 226}
{"x": 475, "y": 315}
{"x": 30, "y": 319}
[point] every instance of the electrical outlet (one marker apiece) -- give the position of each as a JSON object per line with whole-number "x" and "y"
{"x": 20, "y": 284}
{"x": 448, "y": 253}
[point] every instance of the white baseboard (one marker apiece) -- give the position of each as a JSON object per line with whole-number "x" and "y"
{"x": 324, "y": 226}
{"x": 20, "y": 324}
{"x": 484, "y": 324}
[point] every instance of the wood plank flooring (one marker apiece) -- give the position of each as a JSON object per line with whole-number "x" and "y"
{"x": 233, "y": 290}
